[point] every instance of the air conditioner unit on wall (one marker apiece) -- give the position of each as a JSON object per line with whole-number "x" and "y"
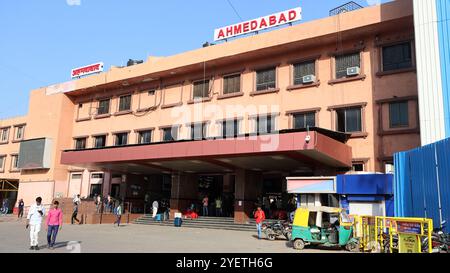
{"x": 353, "y": 71}
{"x": 309, "y": 79}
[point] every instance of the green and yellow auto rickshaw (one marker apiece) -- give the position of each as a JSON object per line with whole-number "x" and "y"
{"x": 323, "y": 226}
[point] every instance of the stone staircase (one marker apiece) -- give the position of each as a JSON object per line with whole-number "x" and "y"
{"x": 221, "y": 223}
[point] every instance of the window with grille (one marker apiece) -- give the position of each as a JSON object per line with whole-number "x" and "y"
{"x": 265, "y": 124}
{"x": 198, "y": 131}
{"x": 201, "y": 89}
{"x": 303, "y": 69}
{"x": 232, "y": 84}
{"x": 4, "y": 134}
{"x": 121, "y": 139}
{"x": 170, "y": 134}
{"x": 100, "y": 141}
{"x": 145, "y": 137}
{"x": 349, "y": 120}
{"x": 266, "y": 79}
{"x": 103, "y": 107}
{"x": 304, "y": 120}
{"x": 346, "y": 61}
{"x": 358, "y": 166}
{"x": 15, "y": 162}
{"x": 398, "y": 114}
{"x": 125, "y": 103}
{"x": 80, "y": 143}
{"x": 2, "y": 163}
{"x": 397, "y": 57}
{"x": 230, "y": 128}
{"x": 19, "y": 132}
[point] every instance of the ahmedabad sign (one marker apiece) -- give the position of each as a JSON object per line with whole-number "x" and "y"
{"x": 87, "y": 70}
{"x": 277, "y": 19}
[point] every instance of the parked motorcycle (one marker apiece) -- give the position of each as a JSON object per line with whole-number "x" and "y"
{"x": 440, "y": 241}
{"x": 277, "y": 229}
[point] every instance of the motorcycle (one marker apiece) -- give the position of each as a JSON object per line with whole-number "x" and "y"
{"x": 277, "y": 229}
{"x": 440, "y": 240}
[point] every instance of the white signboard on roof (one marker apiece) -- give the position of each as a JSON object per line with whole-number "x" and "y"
{"x": 273, "y": 20}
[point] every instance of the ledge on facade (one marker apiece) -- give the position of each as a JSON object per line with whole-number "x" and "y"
{"x": 199, "y": 100}
{"x": 102, "y": 116}
{"x": 83, "y": 119}
{"x": 121, "y": 113}
{"x": 399, "y": 132}
{"x": 165, "y": 106}
{"x": 359, "y": 135}
{"x": 16, "y": 140}
{"x": 140, "y": 110}
{"x": 263, "y": 92}
{"x": 230, "y": 95}
{"x": 397, "y": 71}
{"x": 349, "y": 79}
{"x": 4, "y": 142}
{"x": 302, "y": 86}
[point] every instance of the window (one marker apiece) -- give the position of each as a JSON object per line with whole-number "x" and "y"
{"x": 201, "y": 89}
{"x": 4, "y": 134}
{"x": 265, "y": 124}
{"x": 97, "y": 176}
{"x": 151, "y": 92}
{"x": 303, "y": 69}
{"x": 230, "y": 128}
{"x": 103, "y": 107}
{"x": 19, "y": 132}
{"x": 77, "y": 176}
{"x": 346, "y": 61}
{"x": 145, "y": 137}
{"x": 80, "y": 143}
{"x": 232, "y": 84}
{"x": 125, "y": 103}
{"x": 14, "y": 162}
{"x": 96, "y": 189}
{"x": 2, "y": 163}
{"x": 397, "y": 56}
{"x": 398, "y": 114}
{"x": 170, "y": 134}
{"x": 100, "y": 141}
{"x": 349, "y": 120}
{"x": 304, "y": 120}
{"x": 266, "y": 79}
{"x": 198, "y": 131}
{"x": 121, "y": 139}
{"x": 358, "y": 166}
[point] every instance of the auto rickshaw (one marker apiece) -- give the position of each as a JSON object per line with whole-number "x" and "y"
{"x": 323, "y": 226}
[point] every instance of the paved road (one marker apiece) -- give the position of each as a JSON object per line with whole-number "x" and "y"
{"x": 14, "y": 238}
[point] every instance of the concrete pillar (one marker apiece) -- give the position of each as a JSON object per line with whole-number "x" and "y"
{"x": 184, "y": 192}
{"x": 246, "y": 194}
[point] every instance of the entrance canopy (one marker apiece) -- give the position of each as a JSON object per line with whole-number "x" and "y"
{"x": 288, "y": 151}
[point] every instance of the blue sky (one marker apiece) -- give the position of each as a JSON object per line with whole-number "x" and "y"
{"x": 41, "y": 41}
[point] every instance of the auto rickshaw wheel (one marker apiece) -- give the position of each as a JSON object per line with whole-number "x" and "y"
{"x": 352, "y": 247}
{"x": 271, "y": 236}
{"x": 299, "y": 244}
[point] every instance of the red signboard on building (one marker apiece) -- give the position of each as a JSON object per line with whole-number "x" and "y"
{"x": 277, "y": 19}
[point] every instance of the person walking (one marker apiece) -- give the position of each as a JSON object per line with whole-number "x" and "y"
{"x": 98, "y": 203}
{"x": 21, "y": 207}
{"x": 110, "y": 204}
{"x": 205, "y": 203}
{"x": 76, "y": 204}
{"x": 34, "y": 221}
{"x": 54, "y": 223}
{"x": 260, "y": 216}
{"x": 219, "y": 207}
{"x": 118, "y": 213}
{"x": 155, "y": 207}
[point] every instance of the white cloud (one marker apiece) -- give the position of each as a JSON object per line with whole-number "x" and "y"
{"x": 73, "y": 2}
{"x": 373, "y": 2}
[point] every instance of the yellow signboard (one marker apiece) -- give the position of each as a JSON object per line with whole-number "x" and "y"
{"x": 408, "y": 243}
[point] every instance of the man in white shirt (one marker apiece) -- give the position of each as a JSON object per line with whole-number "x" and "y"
{"x": 155, "y": 206}
{"x": 36, "y": 214}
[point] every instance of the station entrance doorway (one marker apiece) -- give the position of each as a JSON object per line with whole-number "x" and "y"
{"x": 219, "y": 189}
{"x": 8, "y": 193}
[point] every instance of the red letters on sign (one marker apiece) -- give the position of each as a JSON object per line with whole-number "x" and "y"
{"x": 263, "y": 23}
{"x": 282, "y": 19}
{"x": 254, "y": 25}
{"x": 221, "y": 34}
{"x": 246, "y": 26}
{"x": 292, "y": 15}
